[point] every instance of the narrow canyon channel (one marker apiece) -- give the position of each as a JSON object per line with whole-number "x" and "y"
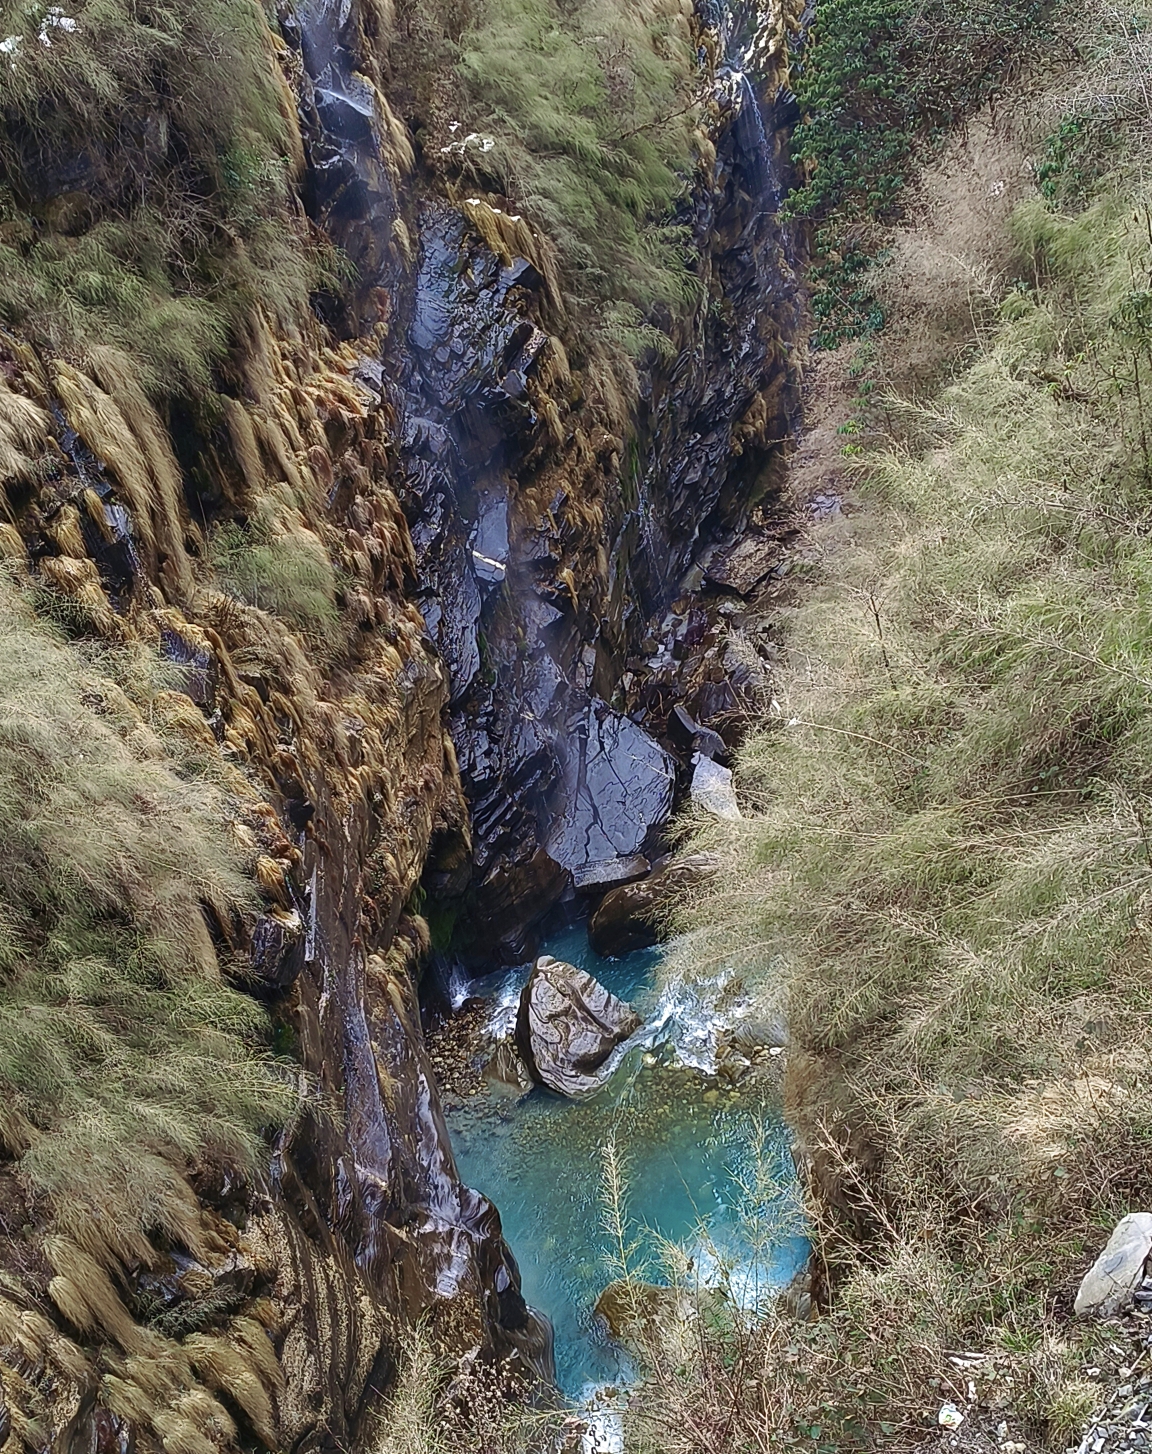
{"x": 704, "y": 1160}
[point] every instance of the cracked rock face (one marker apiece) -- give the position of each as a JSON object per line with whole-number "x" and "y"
{"x": 615, "y": 783}
{"x": 562, "y": 787}
{"x": 567, "y": 1027}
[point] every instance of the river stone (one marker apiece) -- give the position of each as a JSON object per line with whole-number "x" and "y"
{"x": 627, "y": 918}
{"x": 1112, "y": 1279}
{"x": 567, "y": 1026}
{"x": 641, "y": 1313}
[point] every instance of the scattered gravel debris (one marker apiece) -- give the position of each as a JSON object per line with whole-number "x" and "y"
{"x": 1125, "y": 1420}
{"x": 458, "y": 1048}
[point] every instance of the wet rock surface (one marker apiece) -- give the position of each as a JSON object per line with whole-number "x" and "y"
{"x": 560, "y": 783}
{"x": 567, "y": 1026}
{"x": 628, "y": 918}
{"x": 546, "y": 562}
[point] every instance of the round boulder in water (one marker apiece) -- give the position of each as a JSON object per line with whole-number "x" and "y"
{"x": 568, "y": 1025}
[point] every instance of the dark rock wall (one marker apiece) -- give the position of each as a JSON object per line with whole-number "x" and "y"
{"x": 551, "y": 531}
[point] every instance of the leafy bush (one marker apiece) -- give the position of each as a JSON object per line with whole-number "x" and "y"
{"x": 878, "y": 80}
{"x": 590, "y": 108}
{"x": 144, "y": 197}
{"x": 124, "y": 1059}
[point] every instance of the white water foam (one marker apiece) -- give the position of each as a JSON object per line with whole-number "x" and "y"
{"x": 601, "y": 1408}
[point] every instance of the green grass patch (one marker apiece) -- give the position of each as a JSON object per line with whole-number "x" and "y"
{"x": 145, "y": 199}
{"x": 275, "y": 562}
{"x": 590, "y": 110}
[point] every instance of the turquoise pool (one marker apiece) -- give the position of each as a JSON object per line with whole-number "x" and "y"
{"x": 707, "y": 1167}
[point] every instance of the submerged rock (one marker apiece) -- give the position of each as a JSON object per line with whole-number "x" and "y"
{"x": 568, "y": 1025}
{"x": 628, "y": 918}
{"x": 505, "y": 1073}
{"x": 643, "y": 1314}
{"x": 1111, "y": 1281}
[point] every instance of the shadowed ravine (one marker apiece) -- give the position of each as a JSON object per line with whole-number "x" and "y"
{"x": 371, "y": 531}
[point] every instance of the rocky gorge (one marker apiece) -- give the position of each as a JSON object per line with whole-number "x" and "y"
{"x": 462, "y": 705}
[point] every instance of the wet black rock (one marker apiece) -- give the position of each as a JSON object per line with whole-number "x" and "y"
{"x": 561, "y": 786}
{"x": 628, "y": 918}
{"x": 616, "y": 784}
{"x": 689, "y": 736}
{"x": 277, "y": 953}
{"x": 567, "y": 1027}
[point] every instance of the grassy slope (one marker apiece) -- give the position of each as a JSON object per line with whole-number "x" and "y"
{"x": 125, "y": 1061}
{"x": 592, "y": 111}
{"x": 146, "y": 160}
{"x": 948, "y": 880}
{"x": 584, "y": 118}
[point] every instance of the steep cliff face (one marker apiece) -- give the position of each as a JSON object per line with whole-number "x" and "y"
{"x": 333, "y": 744}
{"x": 559, "y": 504}
{"x": 432, "y": 524}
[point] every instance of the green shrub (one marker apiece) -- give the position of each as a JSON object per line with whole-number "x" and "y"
{"x": 878, "y": 80}
{"x": 124, "y": 1059}
{"x": 590, "y": 110}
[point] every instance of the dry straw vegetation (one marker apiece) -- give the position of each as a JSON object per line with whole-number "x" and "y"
{"x": 125, "y": 1061}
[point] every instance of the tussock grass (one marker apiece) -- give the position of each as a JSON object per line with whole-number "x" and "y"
{"x": 125, "y": 1061}
{"x": 591, "y": 109}
{"x": 946, "y": 885}
{"x": 276, "y": 562}
{"x": 146, "y": 157}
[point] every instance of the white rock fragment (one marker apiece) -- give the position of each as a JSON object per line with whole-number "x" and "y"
{"x": 1112, "y": 1279}
{"x": 55, "y": 19}
{"x": 712, "y": 788}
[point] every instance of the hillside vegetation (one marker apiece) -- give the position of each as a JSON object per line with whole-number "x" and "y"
{"x": 146, "y": 157}
{"x": 588, "y": 119}
{"x": 126, "y": 1063}
{"x": 946, "y": 883}
{"x": 882, "y": 83}
{"x": 592, "y": 109}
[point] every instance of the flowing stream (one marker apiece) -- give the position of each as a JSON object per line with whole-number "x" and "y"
{"x": 706, "y": 1166}
{"x": 705, "y": 1157}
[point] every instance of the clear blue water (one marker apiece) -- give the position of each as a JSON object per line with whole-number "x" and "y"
{"x": 706, "y": 1167}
